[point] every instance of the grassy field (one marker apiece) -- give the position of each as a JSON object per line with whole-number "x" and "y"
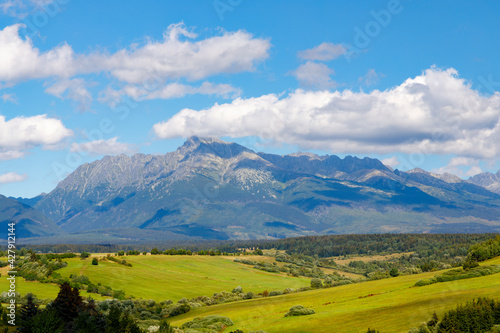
{"x": 390, "y": 305}
{"x": 170, "y": 277}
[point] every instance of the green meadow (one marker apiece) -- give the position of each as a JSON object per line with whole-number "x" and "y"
{"x": 388, "y": 305}
{"x": 169, "y": 277}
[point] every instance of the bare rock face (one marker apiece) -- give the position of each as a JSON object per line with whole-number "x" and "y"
{"x": 487, "y": 180}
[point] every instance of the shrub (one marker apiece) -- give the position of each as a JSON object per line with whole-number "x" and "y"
{"x": 84, "y": 255}
{"x": 214, "y": 322}
{"x": 95, "y": 261}
{"x": 299, "y": 310}
{"x": 316, "y": 283}
{"x": 275, "y": 293}
{"x": 237, "y": 290}
{"x": 179, "y": 309}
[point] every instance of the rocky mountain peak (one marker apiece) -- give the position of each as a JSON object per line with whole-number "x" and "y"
{"x": 214, "y": 146}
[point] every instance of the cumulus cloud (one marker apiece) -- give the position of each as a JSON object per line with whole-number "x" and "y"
{"x": 12, "y": 177}
{"x": 323, "y": 52}
{"x": 168, "y": 91}
{"x": 370, "y": 78}
{"x": 20, "y": 60}
{"x": 313, "y": 74}
{"x": 103, "y": 147}
{"x": 23, "y": 8}
{"x": 74, "y": 89}
{"x": 461, "y": 166}
{"x": 11, "y": 155}
{"x": 436, "y": 112}
{"x": 393, "y": 162}
{"x": 180, "y": 55}
{"x": 22, "y": 133}
{"x": 11, "y": 98}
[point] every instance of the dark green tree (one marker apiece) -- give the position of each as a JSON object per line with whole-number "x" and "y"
{"x": 90, "y": 320}
{"x": 433, "y": 321}
{"x": 394, "y": 272}
{"x": 84, "y": 255}
{"x": 95, "y": 261}
{"x": 47, "y": 321}
{"x": 67, "y": 303}
{"x": 27, "y": 313}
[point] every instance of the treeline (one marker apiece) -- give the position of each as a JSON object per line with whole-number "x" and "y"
{"x": 476, "y": 316}
{"x": 321, "y": 246}
{"x": 342, "y": 245}
{"x": 485, "y": 250}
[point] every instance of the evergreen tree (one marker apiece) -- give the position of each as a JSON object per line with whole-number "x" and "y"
{"x": 47, "y": 321}
{"x": 67, "y": 303}
{"x": 27, "y": 313}
{"x": 433, "y": 321}
{"x": 90, "y": 320}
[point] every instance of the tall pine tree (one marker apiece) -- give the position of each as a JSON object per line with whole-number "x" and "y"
{"x": 67, "y": 303}
{"x": 27, "y": 313}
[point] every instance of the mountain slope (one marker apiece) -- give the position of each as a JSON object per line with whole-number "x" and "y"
{"x": 487, "y": 180}
{"x": 29, "y": 222}
{"x": 209, "y": 188}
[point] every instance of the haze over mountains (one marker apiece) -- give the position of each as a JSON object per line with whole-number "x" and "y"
{"x": 213, "y": 189}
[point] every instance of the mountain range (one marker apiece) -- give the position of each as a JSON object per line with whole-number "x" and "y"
{"x": 211, "y": 189}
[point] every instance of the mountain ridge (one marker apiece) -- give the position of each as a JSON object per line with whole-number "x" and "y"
{"x": 209, "y": 188}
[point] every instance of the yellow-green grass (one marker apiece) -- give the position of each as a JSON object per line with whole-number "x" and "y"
{"x": 174, "y": 277}
{"x": 40, "y": 290}
{"x": 395, "y": 305}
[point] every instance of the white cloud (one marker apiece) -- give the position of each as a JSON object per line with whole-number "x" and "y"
{"x": 11, "y": 155}
{"x": 9, "y": 98}
{"x": 370, "y": 78}
{"x": 181, "y": 55}
{"x": 22, "y": 8}
{"x": 168, "y": 91}
{"x": 20, "y": 60}
{"x": 22, "y": 133}
{"x": 313, "y": 74}
{"x": 393, "y": 162}
{"x": 461, "y": 166}
{"x": 323, "y": 52}
{"x": 103, "y": 147}
{"x": 74, "y": 89}
{"x": 436, "y": 112}
{"x": 12, "y": 177}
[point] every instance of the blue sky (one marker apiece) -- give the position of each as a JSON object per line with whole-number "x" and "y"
{"x": 414, "y": 83}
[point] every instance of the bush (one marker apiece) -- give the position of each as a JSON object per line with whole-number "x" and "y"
{"x": 316, "y": 283}
{"x": 299, "y": 310}
{"x": 84, "y": 255}
{"x": 237, "y": 290}
{"x": 179, "y": 309}
{"x": 95, "y": 261}
{"x": 214, "y": 322}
